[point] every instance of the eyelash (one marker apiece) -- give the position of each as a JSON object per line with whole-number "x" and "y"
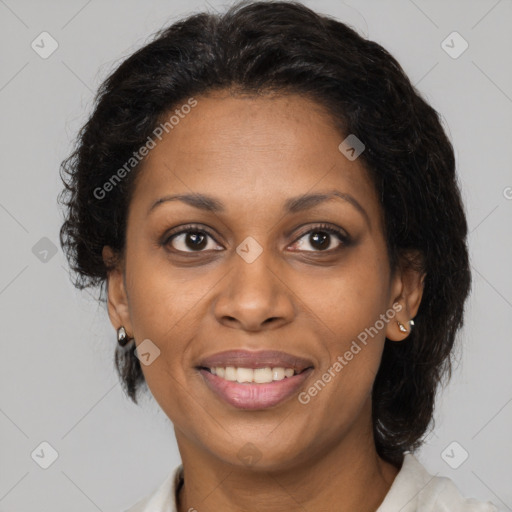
{"x": 325, "y": 228}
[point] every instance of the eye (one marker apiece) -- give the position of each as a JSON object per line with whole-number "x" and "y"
{"x": 321, "y": 239}
{"x": 191, "y": 239}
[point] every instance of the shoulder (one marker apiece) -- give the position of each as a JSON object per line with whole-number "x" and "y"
{"x": 163, "y": 498}
{"x": 415, "y": 490}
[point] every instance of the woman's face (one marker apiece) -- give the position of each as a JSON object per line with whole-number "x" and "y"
{"x": 260, "y": 269}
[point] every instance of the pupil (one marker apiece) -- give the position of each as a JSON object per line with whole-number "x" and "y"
{"x": 320, "y": 238}
{"x": 197, "y": 240}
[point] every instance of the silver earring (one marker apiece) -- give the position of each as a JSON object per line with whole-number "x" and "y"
{"x": 122, "y": 337}
{"x": 411, "y": 322}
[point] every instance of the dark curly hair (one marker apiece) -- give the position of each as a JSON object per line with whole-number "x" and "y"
{"x": 284, "y": 47}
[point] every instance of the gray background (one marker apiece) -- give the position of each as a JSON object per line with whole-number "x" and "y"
{"x": 57, "y": 380}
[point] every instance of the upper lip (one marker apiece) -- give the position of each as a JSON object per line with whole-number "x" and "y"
{"x": 259, "y": 359}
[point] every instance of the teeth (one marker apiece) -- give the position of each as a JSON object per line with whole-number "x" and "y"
{"x": 277, "y": 373}
{"x": 262, "y": 375}
{"x": 230, "y": 373}
{"x": 244, "y": 375}
{"x": 258, "y": 375}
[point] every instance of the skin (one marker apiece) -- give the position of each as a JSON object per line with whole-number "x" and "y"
{"x": 254, "y": 153}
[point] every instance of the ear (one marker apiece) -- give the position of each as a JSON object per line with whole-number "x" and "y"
{"x": 117, "y": 301}
{"x": 406, "y": 291}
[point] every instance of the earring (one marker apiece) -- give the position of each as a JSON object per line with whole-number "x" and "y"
{"x": 122, "y": 337}
{"x": 401, "y": 326}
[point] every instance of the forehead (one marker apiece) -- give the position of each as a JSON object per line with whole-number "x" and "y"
{"x": 246, "y": 148}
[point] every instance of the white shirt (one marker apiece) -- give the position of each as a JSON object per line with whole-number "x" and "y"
{"x": 413, "y": 490}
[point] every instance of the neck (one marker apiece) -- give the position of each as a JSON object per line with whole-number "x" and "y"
{"x": 345, "y": 476}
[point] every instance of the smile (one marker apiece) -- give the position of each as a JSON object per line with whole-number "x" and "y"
{"x": 254, "y": 380}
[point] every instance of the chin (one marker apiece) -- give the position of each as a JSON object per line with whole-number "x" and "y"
{"x": 257, "y": 454}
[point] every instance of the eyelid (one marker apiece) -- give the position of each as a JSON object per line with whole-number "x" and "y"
{"x": 322, "y": 226}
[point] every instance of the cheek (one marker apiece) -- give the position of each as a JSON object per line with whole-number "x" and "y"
{"x": 164, "y": 300}
{"x": 160, "y": 310}
{"x": 348, "y": 299}
{"x": 168, "y": 306}
{"x": 351, "y": 307}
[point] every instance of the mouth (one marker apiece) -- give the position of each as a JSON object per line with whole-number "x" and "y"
{"x": 254, "y": 380}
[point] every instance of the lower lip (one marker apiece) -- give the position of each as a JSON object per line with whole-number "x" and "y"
{"x": 254, "y": 396}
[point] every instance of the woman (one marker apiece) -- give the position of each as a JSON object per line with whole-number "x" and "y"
{"x": 274, "y": 212}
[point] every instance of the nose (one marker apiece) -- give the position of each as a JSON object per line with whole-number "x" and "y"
{"x": 254, "y": 296}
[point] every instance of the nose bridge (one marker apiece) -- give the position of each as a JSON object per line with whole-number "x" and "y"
{"x": 251, "y": 264}
{"x": 252, "y": 292}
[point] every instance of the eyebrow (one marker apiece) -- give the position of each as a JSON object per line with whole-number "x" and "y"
{"x": 291, "y": 205}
